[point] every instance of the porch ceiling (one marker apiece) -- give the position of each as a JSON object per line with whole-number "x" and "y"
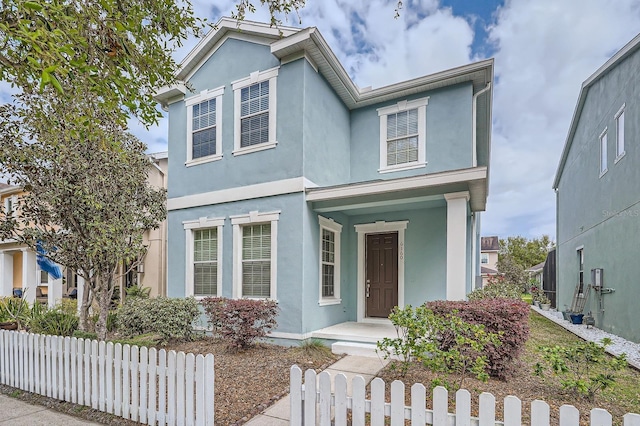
{"x": 425, "y": 191}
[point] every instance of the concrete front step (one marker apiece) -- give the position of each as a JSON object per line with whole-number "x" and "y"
{"x": 354, "y": 348}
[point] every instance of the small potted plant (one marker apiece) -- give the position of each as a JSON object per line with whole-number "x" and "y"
{"x": 545, "y": 303}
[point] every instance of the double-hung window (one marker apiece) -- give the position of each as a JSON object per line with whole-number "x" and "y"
{"x": 620, "y": 133}
{"x": 9, "y": 205}
{"x": 204, "y": 248}
{"x": 255, "y": 238}
{"x": 255, "y": 112}
{"x": 603, "y": 152}
{"x": 329, "y": 261}
{"x": 204, "y": 127}
{"x": 403, "y": 129}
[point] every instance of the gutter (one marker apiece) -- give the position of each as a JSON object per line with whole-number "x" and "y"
{"x": 474, "y": 119}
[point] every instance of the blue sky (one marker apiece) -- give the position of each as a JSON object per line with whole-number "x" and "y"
{"x": 543, "y": 50}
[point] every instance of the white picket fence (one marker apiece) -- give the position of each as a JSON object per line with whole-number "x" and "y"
{"x": 144, "y": 385}
{"x": 325, "y": 408}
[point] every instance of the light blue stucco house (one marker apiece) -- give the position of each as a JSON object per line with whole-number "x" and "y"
{"x": 287, "y": 181}
{"x": 598, "y": 198}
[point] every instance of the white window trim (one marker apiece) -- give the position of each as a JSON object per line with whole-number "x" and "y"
{"x": 254, "y": 218}
{"x": 379, "y": 228}
{"x": 336, "y": 228}
{"x": 602, "y": 136}
{"x": 619, "y": 155}
{"x": 421, "y": 106}
{"x": 13, "y": 200}
{"x": 255, "y": 77}
{"x": 189, "y": 227}
{"x": 205, "y": 95}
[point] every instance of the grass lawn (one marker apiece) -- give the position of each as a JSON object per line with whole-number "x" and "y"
{"x": 623, "y": 398}
{"x": 528, "y": 297}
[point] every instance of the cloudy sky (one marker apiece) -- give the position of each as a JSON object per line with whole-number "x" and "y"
{"x": 543, "y": 50}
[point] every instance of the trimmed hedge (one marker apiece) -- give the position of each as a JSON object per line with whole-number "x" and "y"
{"x": 507, "y": 317}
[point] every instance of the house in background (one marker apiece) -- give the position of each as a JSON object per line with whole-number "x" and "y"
{"x": 489, "y": 249}
{"x": 19, "y": 270}
{"x": 536, "y": 273}
{"x": 598, "y": 198}
{"x": 288, "y": 182}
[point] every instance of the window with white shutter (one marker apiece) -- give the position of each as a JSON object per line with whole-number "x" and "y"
{"x": 403, "y": 128}
{"x": 203, "y": 238}
{"x": 204, "y": 127}
{"x": 255, "y": 237}
{"x": 255, "y": 112}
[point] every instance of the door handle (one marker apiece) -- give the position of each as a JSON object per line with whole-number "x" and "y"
{"x": 368, "y": 286}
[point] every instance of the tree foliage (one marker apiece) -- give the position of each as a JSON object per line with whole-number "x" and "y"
{"x": 513, "y": 273}
{"x": 525, "y": 252}
{"x": 87, "y": 201}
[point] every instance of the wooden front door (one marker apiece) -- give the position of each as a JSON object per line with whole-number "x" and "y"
{"x": 381, "y": 281}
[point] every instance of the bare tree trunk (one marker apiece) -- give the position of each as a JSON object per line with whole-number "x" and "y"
{"x": 104, "y": 301}
{"x": 85, "y": 304}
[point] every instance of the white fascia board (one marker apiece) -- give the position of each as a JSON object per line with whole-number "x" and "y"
{"x": 165, "y": 93}
{"x": 385, "y": 186}
{"x": 247, "y": 192}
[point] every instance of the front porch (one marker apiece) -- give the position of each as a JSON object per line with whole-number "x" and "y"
{"x": 359, "y": 332}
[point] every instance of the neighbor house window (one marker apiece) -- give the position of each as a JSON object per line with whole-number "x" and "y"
{"x": 403, "y": 135}
{"x": 204, "y": 248}
{"x": 255, "y": 112}
{"x": 204, "y": 128}
{"x": 329, "y": 261}
{"x": 10, "y": 205}
{"x": 255, "y": 254}
{"x": 484, "y": 258}
{"x": 580, "y": 272}
{"x": 620, "y": 133}
{"x": 603, "y": 152}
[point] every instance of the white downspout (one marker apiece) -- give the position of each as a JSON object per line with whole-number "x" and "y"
{"x": 473, "y": 126}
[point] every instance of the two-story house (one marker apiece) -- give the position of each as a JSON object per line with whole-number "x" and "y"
{"x": 288, "y": 182}
{"x": 489, "y": 250}
{"x": 598, "y": 198}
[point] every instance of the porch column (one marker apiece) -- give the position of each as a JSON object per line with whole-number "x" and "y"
{"x": 54, "y": 291}
{"x": 6, "y": 274}
{"x": 457, "y": 245}
{"x": 29, "y": 276}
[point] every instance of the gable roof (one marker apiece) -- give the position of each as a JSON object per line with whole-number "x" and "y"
{"x": 620, "y": 56}
{"x": 489, "y": 244}
{"x": 288, "y": 43}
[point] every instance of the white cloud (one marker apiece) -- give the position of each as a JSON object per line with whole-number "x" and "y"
{"x": 545, "y": 49}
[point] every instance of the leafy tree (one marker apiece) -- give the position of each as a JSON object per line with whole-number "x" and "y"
{"x": 87, "y": 202}
{"x": 513, "y": 273}
{"x": 525, "y": 252}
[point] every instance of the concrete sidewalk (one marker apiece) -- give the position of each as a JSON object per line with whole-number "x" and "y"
{"x": 350, "y": 366}
{"x": 18, "y": 413}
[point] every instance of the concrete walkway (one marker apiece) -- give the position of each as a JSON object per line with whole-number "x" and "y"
{"x": 15, "y": 412}
{"x": 350, "y": 366}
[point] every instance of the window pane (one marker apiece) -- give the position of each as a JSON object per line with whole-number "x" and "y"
{"x": 256, "y": 279}
{"x": 205, "y": 279}
{"x": 204, "y": 114}
{"x": 205, "y": 245}
{"x": 402, "y": 151}
{"x": 254, "y": 130}
{"x": 204, "y": 143}
{"x": 328, "y": 280}
{"x": 620, "y": 134}
{"x": 402, "y": 124}
{"x": 603, "y": 153}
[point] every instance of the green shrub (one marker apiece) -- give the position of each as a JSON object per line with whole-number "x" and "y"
{"x": 169, "y": 318}
{"x": 583, "y": 368}
{"x": 54, "y": 321}
{"x": 422, "y": 335}
{"x": 240, "y": 321}
{"x": 497, "y": 287}
{"x": 79, "y": 334}
{"x": 16, "y": 309}
{"x": 138, "y": 291}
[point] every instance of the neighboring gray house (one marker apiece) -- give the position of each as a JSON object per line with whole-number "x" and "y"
{"x": 598, "y": 198}
{"x": 287, "y": 181}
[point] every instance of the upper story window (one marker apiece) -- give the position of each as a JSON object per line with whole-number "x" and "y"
{"x": 10, "y": 205}
{"x": 255, "y": 248}
{"x": 403, "y": 129}
{"x": 204, "y": 127}
{"x": 255, "y": 112}
{"x": 484, "y": 258}
{"x": 204, "y": 248}
{"x": 620, "y": 133}
{"x": 603, "y": 152}
{"x": 329, "y": 261}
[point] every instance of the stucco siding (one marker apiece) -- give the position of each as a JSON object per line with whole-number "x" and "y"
{"x": 448, "y": 138}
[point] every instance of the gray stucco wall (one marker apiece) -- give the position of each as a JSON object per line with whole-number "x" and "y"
{"x": 603, "y": 213}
